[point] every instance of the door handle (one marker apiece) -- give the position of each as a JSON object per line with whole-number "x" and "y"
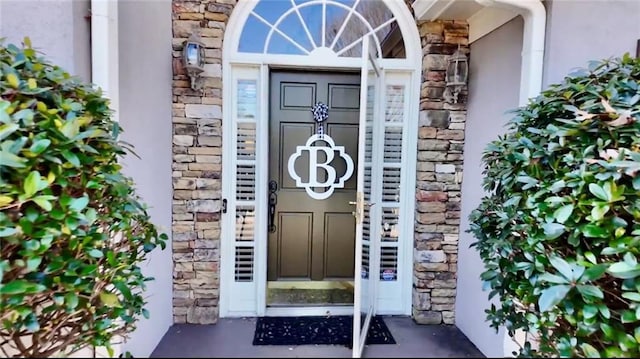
{"x": 273, "y": 200}
{"x": 360, "y": 205}
{"x": 366, "y": 204}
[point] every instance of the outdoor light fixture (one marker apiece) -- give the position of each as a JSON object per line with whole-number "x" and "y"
{"x": 457, "y": 73}
{"x": 193, "y": 58}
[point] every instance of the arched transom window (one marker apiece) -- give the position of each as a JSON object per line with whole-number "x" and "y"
{"x": 307, "y": 27}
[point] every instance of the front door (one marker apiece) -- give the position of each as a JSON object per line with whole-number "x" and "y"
{"x": 312, "y": 161}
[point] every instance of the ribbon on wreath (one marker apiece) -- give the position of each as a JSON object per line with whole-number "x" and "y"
{"x": 320, "y": 115}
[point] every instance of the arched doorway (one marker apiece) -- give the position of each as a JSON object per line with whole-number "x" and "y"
{"x": 280, "y": 58}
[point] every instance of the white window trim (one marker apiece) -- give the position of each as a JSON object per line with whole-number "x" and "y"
{"x": 233, "y": 60}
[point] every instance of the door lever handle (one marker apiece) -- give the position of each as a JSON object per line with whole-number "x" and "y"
{"x": 366, "y": 204}
{"x": 273, "y": 200}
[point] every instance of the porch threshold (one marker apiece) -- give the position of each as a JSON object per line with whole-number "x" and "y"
{"x": 232, "y": 338}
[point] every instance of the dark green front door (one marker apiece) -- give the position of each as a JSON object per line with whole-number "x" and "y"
{"x": 311, "y": 239}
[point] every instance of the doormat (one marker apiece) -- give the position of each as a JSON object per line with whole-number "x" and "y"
{"x": 336, "y": 330}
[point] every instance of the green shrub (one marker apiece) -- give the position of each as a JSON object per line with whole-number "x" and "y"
{"x": 559, "y": 230}
{"x": 72, "y": 230}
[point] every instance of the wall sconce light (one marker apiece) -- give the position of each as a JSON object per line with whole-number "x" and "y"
{"x": 457, "y": 73}
{"x": 194, "y": 59}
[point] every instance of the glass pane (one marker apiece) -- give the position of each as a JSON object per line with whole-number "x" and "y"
{"x": 246, "y": 141}
{"x": 348, "y": 3}
{"x": 254, "y": 35}
{"x": 271, "y": 10}
{"x": 353, "y": 32}
{"x": 394, "y": 106}
{"x": 336, "y": 16}
{"x": 393, "y": 144}
{"x": 384, "y": 32}
{"x": 293, "y": 28}
{"x": 245, "y": 182}
{"x": 280, "y": 45}
{"x": 247, "y": 99}
{"x": 312, "y": 16}
{"x": 367, "y": 183}
{"x": 391, "y": 41}
{"x": 245, "y": 223}
{"x": 375, "y": 11}
{"x": 389, "y": 264}
{"x": 390, "y": 224}
{"x": 391, "y": 185}
{"x": 365, "y": 265}
{"x": 368, "y": 149}
{"x": 366, "y": 225}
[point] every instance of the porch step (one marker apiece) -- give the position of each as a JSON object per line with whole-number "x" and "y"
{"x": 306, "y": 297}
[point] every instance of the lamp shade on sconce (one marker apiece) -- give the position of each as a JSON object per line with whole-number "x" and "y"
{"x": 457, "y": 69}
{"x": 193, "y": 57}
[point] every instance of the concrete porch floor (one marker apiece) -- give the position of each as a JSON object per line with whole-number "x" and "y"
{"x": 233, "y": 338}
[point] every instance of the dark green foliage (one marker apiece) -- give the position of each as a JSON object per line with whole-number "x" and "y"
{"x": 72, "y": 230}
{"x": 559, "y": 232}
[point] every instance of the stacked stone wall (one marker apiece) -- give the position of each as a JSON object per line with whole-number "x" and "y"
{"x": 197, "y": 163}
{"x": 439, "y": 176}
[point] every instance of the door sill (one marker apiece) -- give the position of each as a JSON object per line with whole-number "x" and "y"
{"x": 308, "y": 311}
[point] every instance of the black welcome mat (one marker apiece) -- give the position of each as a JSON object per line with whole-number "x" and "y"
{"x": 337, "y": 330}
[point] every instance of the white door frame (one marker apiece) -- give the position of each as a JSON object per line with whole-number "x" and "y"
{"x": 256, "y": 67}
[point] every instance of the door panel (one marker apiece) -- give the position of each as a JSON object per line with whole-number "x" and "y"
{"x": 295, "y": 245}
{"x": 344, "y": 135}
{"x": 344, "y": 97}
{"x": 297, "y": 95}
{"x": 340, "y": 245}
{"x": 312, "y": 239}
{"x": 296, "y": 133}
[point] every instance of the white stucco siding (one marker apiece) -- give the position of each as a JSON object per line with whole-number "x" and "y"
{"x": 579, "y": 31}
{"x": 494, "y": 71}
{"x": 145, "y": 114}
{"x": 59, "y": 29}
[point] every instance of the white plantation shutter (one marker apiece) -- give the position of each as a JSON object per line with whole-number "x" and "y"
{"x": 244, "y": 264}
{"x": 245, "y": 179}
{"x": 242, "y": 166}
{"x": 392, "y": 149}
{"x": 367, "y": 232}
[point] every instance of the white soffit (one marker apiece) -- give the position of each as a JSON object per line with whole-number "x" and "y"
{"x": 486, "y": 20}
{"x": 482, "y": 20}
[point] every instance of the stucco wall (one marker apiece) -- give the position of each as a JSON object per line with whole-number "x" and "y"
{"x": 494, "y": 80}
{"x": 59, "y": 29}
{"x": 145, "y": 114}
{"x": 582, "y": 30}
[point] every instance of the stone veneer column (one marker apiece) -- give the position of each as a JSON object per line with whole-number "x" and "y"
{"x": 439, "y": 174}
{"x": 197, "y": 164}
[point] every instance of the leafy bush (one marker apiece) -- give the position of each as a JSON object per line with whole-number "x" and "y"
{"x": 559, "y": 231}
{"x": 72, "y": 230}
